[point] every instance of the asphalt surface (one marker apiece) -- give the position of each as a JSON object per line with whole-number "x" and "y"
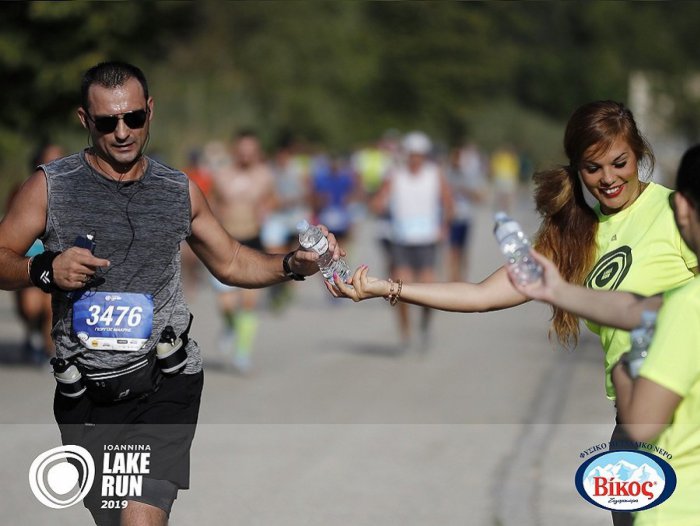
{"x": 335, "y": 425}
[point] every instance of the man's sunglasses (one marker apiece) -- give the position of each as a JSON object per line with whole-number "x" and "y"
{"x": 108, "y": 123}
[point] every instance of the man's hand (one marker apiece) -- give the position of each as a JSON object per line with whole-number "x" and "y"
{"x": 304, "y": 262}
{"x": 75, "y": 267}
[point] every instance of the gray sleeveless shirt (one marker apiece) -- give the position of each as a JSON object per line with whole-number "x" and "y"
{"x": 138, "y": 227}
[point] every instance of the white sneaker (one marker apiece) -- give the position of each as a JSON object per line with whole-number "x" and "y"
{"x": 242, "y": 363}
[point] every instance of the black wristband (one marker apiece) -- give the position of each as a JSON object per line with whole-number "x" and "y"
{"x": 41, "y": 271}
{"x": 288, "y": 270}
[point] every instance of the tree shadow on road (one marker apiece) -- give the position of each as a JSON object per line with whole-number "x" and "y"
{"x": 380, "y": 350}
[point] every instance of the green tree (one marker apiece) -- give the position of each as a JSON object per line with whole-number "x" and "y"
{"x": 45, "y": 47}
{"x": 343, "y": 72}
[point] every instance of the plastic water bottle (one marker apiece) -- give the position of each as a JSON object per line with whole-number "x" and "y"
{"x": 70, "y": 381}
{"x": 517, "y": 249}
{"x": 311, "y": 238}
{"x": 640, "y": 338}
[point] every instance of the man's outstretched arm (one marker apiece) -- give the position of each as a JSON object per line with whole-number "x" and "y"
{"x": 234, "y": 264}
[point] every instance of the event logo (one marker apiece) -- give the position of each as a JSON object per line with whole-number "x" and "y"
{"x": 625, "y": 480}
{"x": 610, "y": 270}
{"x": 62, "y": 476}
{"x": 123, "y": 468}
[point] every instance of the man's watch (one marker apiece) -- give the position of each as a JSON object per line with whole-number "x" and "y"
{"x": 288, "y": 270}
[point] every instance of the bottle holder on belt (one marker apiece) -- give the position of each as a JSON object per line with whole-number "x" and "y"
{"x": 134, "y": 380}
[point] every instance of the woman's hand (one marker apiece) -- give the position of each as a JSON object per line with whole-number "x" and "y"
{"x": 621, "y": 377}
{"x": 545, "y": 288}
{"x": 361, "y": 286}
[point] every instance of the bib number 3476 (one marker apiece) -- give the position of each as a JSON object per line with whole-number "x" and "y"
{"x": 118, "y": 321}
{"x": 115, "y": 315}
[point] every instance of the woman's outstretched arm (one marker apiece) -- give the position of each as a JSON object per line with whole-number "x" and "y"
{"x": 494, "y": 293}
{"x": 622, "y": 310}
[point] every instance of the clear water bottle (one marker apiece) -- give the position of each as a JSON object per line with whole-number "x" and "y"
{"x": 311, "y": 238}
{"x": 640, "y": 339}
{"x": 517, "y": 249}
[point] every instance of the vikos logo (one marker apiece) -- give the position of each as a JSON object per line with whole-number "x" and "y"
{"x": 625, "y": 480}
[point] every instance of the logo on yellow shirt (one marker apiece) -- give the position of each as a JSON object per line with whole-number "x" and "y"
{"x": 610, "y": 269}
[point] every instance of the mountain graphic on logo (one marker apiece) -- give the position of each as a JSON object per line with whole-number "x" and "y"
{"x": 625, "y": 480}
{"x": 623, "y": 471}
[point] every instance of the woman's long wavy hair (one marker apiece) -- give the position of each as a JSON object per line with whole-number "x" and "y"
{"x": 567, "y": 234}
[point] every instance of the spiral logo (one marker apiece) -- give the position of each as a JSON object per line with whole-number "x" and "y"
{"x": 610, "y": 270}
{"x": 56, "y": 480}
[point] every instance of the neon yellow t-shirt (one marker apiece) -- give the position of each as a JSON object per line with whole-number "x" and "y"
{"x": 639, "y": 250}
{"x": 674, "y": 363}
{"x": 371, "y": 164}
{"x": 505, "y": 166}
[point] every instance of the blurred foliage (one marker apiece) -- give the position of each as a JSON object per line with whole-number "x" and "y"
{"x": 44, "y": 49}
{"x": 340, "y": 73}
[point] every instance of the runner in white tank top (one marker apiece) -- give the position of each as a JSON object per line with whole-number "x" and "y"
{"x": 416, "y": 193}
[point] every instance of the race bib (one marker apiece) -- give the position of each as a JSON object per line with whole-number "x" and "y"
{"x": 118, "y": 321}
{"x": 416, "y": 229}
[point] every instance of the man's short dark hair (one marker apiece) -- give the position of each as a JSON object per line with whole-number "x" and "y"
{"x": 245, "y": 133}
{"x": 110, "y": 75}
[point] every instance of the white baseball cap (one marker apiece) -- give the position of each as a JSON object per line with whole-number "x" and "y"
{"x": 417, "y": 142}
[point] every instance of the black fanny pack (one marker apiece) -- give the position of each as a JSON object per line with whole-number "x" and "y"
{"x": 136, "y": 379}
{"x": 105, "y": 386}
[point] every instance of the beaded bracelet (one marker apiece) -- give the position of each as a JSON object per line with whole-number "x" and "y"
{"x": 393, "y": 297}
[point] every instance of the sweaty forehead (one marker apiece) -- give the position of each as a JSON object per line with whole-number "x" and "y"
{"x": 119, "y": 99}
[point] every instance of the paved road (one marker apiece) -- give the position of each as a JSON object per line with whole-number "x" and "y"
{"x": 334, "y": 426}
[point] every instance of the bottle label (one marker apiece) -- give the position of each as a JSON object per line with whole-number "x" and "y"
{"x": 118, "y": 321}
{"x": 321, "y": 246}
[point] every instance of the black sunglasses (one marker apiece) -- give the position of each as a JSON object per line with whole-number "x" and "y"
{"x": 108, "y": 123}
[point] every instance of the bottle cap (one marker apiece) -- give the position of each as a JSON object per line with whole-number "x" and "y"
{"x": 500, "y": 217}
{"x": 649, "y": 317}
{"x": 505, "y": 228}
{"x": 302, "y": 226}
